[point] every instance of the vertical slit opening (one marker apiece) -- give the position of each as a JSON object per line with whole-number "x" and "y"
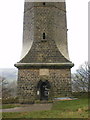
{"x": 43, "y": 3}
{"x": 43, "y": 35}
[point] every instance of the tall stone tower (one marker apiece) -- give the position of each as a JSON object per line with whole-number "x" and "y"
{"x": 44, "y": 68}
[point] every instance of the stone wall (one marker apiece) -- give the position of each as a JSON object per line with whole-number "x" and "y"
{"x": 51, "y": 20}
{"x": 41, "y": 19}
{"x": 28, "y": 80}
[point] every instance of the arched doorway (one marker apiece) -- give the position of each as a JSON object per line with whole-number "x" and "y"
{"x": 44, "y": 87}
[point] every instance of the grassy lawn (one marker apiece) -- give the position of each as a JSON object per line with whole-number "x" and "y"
{"x": 5, "y": 106}
{"x": 60, "y": 109}
{"x": 47, "y": 114}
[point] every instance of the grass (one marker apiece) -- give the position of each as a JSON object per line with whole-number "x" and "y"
{"x": 60, "y": 109}
{"x": 6, "y": 106}
{"x": 47, "y": 114}
{"x": 72, "y": 105}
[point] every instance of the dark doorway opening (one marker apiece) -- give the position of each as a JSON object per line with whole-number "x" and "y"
{"x": 44, "y": 92}
{"x": 44, "y": 88}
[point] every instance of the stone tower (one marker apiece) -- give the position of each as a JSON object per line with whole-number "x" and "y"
{"x": 44, "y": 68}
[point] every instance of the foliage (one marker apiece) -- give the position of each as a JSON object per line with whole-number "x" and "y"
{"x": 7, "y": 90}
{"x": 80, "y": 79}
{"x": 80, "y": 94}
{"x": 10, "y": 100}
{"x": 4, "y": 89}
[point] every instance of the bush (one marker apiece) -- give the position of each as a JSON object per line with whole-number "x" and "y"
{"x": 80, "y": 94}
{"x": 10, "y": 100}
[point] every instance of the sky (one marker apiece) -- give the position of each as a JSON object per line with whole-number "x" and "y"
{"x": 11, "y": 31}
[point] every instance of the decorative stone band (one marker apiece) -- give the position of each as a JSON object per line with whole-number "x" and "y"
{"x": 44, "y": 65}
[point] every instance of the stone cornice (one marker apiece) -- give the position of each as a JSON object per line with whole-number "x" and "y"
{"x": 44, "y": 65}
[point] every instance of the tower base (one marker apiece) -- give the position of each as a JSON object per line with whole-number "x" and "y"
{"x": 40, "y": 83}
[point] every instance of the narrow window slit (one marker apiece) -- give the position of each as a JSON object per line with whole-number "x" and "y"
{"x": 43, "y": 35}
{"x": 43, "y": 3}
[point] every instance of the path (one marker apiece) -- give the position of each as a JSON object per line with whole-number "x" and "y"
{"x": 27, "y": 108}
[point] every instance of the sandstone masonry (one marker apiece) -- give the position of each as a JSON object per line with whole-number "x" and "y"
{"x": 44, "y": 68}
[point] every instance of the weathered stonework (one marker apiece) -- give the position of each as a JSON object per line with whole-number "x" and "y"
{"x": 28, "y": 80}
{"x": 44, "y": 69}
{"x": 51, "y": 20}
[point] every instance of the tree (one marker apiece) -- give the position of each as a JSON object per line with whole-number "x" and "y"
{"x": 13, "y": 88}
{"x": 4, "y": 90}
{"x": 80, "y": 79}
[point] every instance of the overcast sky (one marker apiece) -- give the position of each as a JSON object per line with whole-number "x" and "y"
{"x": 11, "y": 31}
